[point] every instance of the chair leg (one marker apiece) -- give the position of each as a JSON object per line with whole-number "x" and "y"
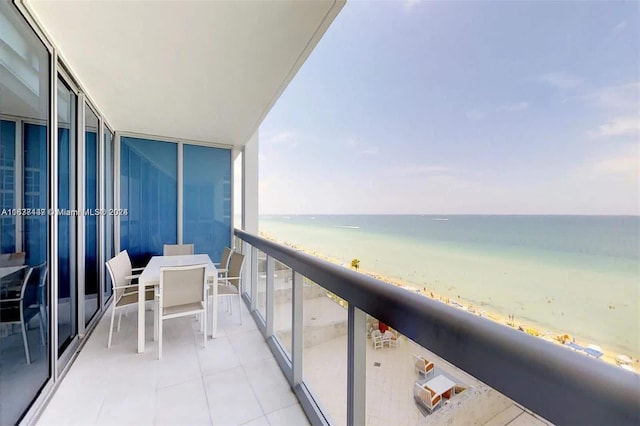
{"x": 26, "y": 343}
{"x": 156, "y": 313}
{"x": 240, "y": 308}
{"x": 113, "y": 315}
{"x": 42, "y": 320}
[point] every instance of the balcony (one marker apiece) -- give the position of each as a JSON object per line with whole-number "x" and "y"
{"x": 235, "y": 380}
{"x": 85, "y": 126}
{"x": 248, "y": 376}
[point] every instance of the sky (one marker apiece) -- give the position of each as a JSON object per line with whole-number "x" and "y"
{"x": 483, "y": 107}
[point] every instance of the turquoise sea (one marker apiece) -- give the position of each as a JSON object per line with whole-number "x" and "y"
{"x": 571, "y": 274}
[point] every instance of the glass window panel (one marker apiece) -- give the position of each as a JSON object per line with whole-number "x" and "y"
{"x": 207, "y": 199}
{"x": 261, "y": 296}
{"x": 24, "y": 183}
{"x": 91, "y": 277}
{"x": 148, "y": 191}
{"x": 282, "y": 310}
{"x": 324, "y": 356}
{"x": 67, "y": 289}
{"x": 7, "y": 184}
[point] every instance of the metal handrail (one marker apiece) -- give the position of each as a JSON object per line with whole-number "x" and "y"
{"x": 554, "y": 382}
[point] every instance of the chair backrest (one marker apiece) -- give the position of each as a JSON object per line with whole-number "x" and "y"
{"x": 39, "y": 275}
{"x": 180, "y": 285}
{"x": 426, "y": 396}
{"x": 224, "y": 259}
{"x": 177, "y": 249}
{"x": 119, "y": 268}
{"x": 29, "y": 290}
{"x": 235, "y": 268}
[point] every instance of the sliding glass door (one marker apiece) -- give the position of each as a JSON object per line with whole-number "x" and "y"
{"x": 67, "y": 287}
{"x": 91, "y": 266}
{"x": 108, "y": 243}
{"x": 24, "y": 227}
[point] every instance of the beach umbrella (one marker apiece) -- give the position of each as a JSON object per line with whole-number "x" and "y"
{"x": 623, "y": 359}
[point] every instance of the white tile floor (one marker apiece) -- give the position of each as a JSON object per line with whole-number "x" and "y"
{"x": 234, "y": 381}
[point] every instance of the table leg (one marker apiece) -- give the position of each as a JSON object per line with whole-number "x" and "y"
{"x": 141, "y": 306}
{"x": 213, "y": 312}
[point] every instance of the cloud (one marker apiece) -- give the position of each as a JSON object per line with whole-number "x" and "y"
{"x": 624, "y": 96}
{"x": 620, "y": 167}
{"x": 561, "y": 80}
{"x": 515, "y": 107}
{"x": 475, "y": 115}
{"x": 363, "y": 148}
{"x": 370, "y": 151}
{"x": 620, "y": 126}
{"x": 284, "y": 137}
{"x": 416, "y": 170}
{"x": 620, "y": 26}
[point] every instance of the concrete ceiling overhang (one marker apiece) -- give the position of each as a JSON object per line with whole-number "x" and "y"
{"x": 198, "y": 70}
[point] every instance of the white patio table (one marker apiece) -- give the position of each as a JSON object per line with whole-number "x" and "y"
{"x": 151, "y": 277}
{"x": 439, "y": 384}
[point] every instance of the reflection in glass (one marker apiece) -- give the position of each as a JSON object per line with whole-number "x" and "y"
{"x": 207, "y": 199}
{"x": 108, "y": 191}
{"x": 67, "y": 295}
{"x": 282, "y": 308}
{"x": 91, "y": 277}
{"x": 24, "y": 184}
{"x": 148, "y": 192}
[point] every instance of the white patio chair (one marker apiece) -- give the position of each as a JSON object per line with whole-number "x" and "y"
{"x": 376, "y": 338}
{"x": 230, "y": 286}
{"x": 426, "y": 397}
{"x": 22, "y": 309}
{"x": 124, "y": 292}
{"x": 177, "y": 249}
{"x": 423, "y": 366}
{"x": 182, "y": 292}
{"x": 224, "y": 262}
{"x": 390, "y": 339}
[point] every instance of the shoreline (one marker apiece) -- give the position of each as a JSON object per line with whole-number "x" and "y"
{"x": 528, "y": 326}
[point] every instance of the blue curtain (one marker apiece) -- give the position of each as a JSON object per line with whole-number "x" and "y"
{"x": 64, "y": 221}
{"x": 207, "y": 199}
{"x": 148, "y": 190}
{"x": 35, "y": 192}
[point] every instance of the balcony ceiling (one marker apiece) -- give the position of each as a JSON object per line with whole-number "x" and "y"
{"x": 200, "y": 70}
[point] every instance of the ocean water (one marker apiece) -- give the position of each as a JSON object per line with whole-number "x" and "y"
{"x": 571, "y": 274}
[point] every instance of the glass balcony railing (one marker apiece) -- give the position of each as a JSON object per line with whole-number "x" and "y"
{"x": 356, "y": 350}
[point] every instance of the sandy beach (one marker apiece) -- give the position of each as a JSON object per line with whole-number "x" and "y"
{"x": 556, "y": 336}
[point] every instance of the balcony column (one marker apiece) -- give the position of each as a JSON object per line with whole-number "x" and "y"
{"x": 250, "y": 185}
